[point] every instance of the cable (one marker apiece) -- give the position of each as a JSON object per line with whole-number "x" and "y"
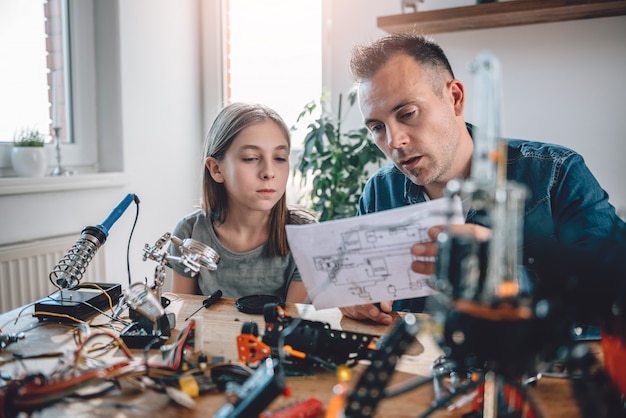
{"x": 80, "y": 321}
{"x": 70, "y": 376}
{"x": 281, "y": 338}
{"x": 130, "y": 237}
{"x": 17, "y": 317}
{"x": 21, "y": 312}
{"x": 103, "y": 292}
{"x": 53, "y": 354}
{"x": 106, "y": 333}
{"x": 101, "y": 312}
{"x": 404, "y": 387}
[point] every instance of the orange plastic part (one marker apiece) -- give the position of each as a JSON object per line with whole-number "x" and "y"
{"x": 251, "y": 349}
{"x": 614, "y": 353}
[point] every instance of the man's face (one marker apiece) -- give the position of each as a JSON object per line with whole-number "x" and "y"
{"x": 418, "y": 128}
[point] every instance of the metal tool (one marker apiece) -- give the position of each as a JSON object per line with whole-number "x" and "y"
{"x": 213, "y": 297}
{"x": 194, "y": 256}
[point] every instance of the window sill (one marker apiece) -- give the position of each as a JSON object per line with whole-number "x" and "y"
{"x": 26, "y": 185}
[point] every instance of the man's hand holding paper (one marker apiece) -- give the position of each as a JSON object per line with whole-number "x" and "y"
{"x": 367, "y": 259}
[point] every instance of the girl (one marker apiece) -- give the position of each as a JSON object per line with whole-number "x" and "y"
{"x": 244, "y": 211}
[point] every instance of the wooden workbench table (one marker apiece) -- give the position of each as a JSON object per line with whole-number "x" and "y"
{"x": 220, "y": 325}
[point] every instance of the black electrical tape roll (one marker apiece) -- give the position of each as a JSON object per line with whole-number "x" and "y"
{"x": 253, "y": 304}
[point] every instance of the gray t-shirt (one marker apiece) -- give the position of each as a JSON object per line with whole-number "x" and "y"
{"x": 237, "y": 274}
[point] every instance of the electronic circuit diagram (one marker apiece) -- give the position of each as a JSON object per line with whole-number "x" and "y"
{"x": 367, "y": 259}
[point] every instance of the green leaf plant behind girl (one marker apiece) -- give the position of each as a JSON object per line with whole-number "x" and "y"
{"x": 244, "y": 209}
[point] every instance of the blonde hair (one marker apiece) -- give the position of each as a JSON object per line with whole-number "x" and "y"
{"x": 230, "y": 121}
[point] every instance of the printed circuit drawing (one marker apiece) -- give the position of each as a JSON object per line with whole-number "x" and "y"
{"x": 366, "y": 259}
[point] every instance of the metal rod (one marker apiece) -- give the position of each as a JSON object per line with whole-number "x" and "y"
{"x": 58, "y": 170}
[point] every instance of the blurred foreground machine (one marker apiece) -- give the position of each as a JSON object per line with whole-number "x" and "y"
{"x": 481, "y": 280}
{"x": 491, "y": 321}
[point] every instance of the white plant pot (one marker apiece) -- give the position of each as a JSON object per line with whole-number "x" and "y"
{"x": 29, "y": 161}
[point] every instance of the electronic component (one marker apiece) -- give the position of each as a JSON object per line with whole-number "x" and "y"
{"x": 309, "y": 408}
{"x": 363, "y": 399}
{"x": 222, "y": 374}
{"x": 142, "y": 300}
{"x": 151, "y": 326}
{"x": 306, "y": 343}
{"x": 258, "y": 391}
{"x": 78, "y": 302}
{"x": 6, "y": 339}
{"x": 196, "y": 384}
{"x": 36, "y": 390}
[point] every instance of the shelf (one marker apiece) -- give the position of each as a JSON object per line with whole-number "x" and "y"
{"x": 500, "y": 14}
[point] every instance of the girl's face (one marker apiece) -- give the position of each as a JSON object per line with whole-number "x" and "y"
{"x": 255, "y": 167}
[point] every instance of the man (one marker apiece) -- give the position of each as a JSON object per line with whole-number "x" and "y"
{"x": 413, "y": 107}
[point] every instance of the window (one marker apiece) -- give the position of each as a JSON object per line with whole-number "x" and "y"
{"x": 61, "y": 42}
{"x": 23, "y": 75}
{"x": 274, "y": 54}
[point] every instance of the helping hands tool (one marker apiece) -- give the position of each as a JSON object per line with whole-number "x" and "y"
{"x": 213, "y": 297}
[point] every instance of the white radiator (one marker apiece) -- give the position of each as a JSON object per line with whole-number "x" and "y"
{"x": 25, "y": 267}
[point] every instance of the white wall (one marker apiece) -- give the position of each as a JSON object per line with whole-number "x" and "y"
{"x": 562, "y": 82}
{"x": 162, "y": 131}
{"x": 162, "y": 118}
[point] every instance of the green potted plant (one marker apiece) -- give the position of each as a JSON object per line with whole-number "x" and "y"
{"x": 335, "y": 164}
{"x": 28, "y": 156}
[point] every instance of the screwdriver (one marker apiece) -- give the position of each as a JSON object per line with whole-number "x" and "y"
{"x": 213, "y": 297}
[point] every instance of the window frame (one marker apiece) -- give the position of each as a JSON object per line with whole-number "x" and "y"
{"x": 81, "y": 151}
{"x": 94, "y": 82}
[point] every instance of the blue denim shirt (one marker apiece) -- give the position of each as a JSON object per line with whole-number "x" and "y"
{"x": 566, "y": 204}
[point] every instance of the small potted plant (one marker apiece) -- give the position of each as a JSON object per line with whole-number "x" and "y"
{"x": 28, "y": 155}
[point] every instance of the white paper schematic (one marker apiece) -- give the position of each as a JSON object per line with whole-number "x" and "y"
{"x": 367, "y": 259}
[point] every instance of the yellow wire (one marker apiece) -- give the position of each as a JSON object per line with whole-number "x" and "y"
{"x": 59, "y": 315}
{"x": 103, "y": 291}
